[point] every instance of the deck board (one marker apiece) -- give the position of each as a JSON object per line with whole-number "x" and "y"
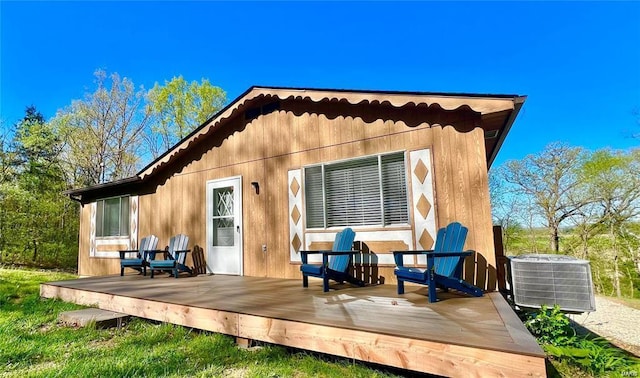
{"x": 248, "y": 304}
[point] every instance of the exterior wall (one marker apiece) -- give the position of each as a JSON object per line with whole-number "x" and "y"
{"x": 88, "y": 265}
{"x": 302, "y": 133}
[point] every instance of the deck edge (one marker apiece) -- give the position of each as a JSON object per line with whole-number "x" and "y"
{"x": 400, "y": 352}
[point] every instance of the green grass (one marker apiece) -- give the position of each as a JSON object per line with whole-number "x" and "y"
{"x": 33, "y": 344}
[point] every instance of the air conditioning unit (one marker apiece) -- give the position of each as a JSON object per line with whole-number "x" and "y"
{"x": 538, "y": 280}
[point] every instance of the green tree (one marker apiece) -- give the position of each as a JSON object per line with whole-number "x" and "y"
{"x": 7, "y": 155}
{"x": 37, "y": 222}
{"x": 612, "y": 181}
{"x": 550, "y": 181}
{"x": 178, "y": 107}
{"x": 104, "y": 131}
{"x": 7, "y": 168}
{"x": 507, "y": 208}
{"x": 38, "y": 146}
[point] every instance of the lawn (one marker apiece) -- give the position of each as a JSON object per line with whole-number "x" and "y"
{"x": 33, "y": 344}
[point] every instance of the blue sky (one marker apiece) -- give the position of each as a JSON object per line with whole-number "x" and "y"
{"x": 578, "y": 62}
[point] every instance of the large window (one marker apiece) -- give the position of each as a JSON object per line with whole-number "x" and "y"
{"x": 370, "y": 191}
{"x": 112, "y": 217}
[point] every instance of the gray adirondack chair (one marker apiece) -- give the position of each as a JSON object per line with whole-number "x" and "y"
{"x": 174, "y": 257}
{"x": 141, "y": 256}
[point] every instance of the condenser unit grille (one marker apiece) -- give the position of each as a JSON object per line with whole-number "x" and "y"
{"x": 552, "y": 279}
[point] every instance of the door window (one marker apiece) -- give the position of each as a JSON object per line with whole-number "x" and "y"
{"x": 223, "y": 217}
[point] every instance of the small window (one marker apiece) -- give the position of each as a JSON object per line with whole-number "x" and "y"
{"x": 370, "y": 191}
{"x": 112, "y": 217}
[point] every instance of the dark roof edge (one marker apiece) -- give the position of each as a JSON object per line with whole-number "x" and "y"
{"x": 128, "y": 180}
{"x": 369, "y": 91}
{"x": 518, "y": 102}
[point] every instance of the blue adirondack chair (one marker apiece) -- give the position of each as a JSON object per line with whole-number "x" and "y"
{"x": 141, "y": 257}
{"x": 174, "y": 257}
{"x": 444, "y": 264}
{"x": 335, "y": 263}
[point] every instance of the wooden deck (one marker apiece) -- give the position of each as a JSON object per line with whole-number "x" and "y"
{"x": 457, "y": 336}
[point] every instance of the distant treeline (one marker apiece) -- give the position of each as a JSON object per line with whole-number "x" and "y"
{"x": 572, "y": 201}
{"x": 107, "y": 135}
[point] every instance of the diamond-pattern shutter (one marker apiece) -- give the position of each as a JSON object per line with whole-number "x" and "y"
{"x": 296, "y": 212}
{"x": 423, "y": 202}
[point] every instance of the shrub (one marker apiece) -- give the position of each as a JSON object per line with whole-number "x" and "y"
{"x": 596, "y": 355}
{"x": 551, "y": 327}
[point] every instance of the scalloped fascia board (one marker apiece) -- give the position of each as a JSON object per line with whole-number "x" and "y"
{"x": 482, "y": 105}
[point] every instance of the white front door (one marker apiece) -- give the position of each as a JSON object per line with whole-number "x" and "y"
{"x": 224, "y": 226}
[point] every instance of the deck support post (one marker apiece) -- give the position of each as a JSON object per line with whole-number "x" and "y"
{"x": 244, "y": 343}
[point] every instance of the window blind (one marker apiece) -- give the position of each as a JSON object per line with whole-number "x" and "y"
{"x": 353, "y": 193}
{"x": 314, "y": 195}
{"x": 112, "y": 217}
{"x": 394, "y": 189}
{"x": 359, "y": 192}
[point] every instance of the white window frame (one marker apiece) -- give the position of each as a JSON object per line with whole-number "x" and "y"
{"x": 121, "y": 227}
{"x": 381, "y": 224}
{"x": 108, "y": 246}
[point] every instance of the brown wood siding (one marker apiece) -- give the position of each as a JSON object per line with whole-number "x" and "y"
{"x": 303, "y": 133}
{"x": 84, "y": 265}
{"x": 87, "y": 265}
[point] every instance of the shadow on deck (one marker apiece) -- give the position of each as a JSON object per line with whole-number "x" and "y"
{"x": 457, "y": 336}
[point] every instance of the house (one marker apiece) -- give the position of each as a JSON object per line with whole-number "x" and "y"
{"x": 282, "y": 169}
